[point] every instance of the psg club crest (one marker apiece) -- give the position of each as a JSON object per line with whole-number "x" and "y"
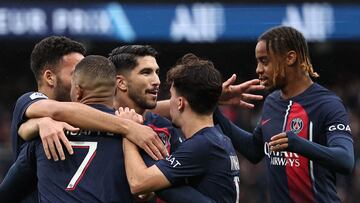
{"x": 165, "y": 138}
{"x": 164, "y": 135}
{"x": 296, "y": 125}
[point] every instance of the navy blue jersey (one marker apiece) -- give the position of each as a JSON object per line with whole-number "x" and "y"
{"x": 19, "y": 117}
{"x": 19, "y": 184}
{"x": 207, "y": 161}
{"x": 94, "y": 173}
{"x": 316, "y": 115}
{"x": 169, "y": 135}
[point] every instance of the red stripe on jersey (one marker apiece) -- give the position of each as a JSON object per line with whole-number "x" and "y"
{"x": 299, "y": 180}
{"x": 163, "y": 134}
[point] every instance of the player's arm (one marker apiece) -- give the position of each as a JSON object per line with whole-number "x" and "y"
{"x": 20, "y": 179}
{"x": 141, "y": 178}
{"x": 30, "y": 129}
{"x": 189, "y": 160}
{"x": 244, "y": 142}
{"x": 338, "y": 155}
{"x": 231, "y": 95}
{"x": 79, "y": 115}
{"x": 18, "y": 182}
{"x": 51, "y": 133}
{"x": 239, "y": 94}
{"x": 86, "y": 117}
{"x": 176, "y": 194}
{"x": 163, "y": 108}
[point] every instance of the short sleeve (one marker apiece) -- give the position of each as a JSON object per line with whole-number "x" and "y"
{"x": 19, "y": 117}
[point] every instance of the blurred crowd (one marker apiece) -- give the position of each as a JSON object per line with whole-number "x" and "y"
{"x": 253, "y": 177}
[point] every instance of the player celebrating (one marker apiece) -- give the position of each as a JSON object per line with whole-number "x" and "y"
{"x": 304, "y": 131}
{"x": 206, "y": 160}
{"x": 53, "y": 60}
{"x": 137, "y": 87}
{"x": 86, "y": 176}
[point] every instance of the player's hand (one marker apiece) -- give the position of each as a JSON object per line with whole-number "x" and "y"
{"x": 143, "y": 136}
{"x": 129, "y": 114}
{"x": 279, "y": 142}
{"x": 52, "y": 134}
{"x": 238, "y": 94}
{"x": 147, "y": 139}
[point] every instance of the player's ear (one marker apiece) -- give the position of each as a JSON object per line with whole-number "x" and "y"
{"x": 121, "y": 83}
{"x": 181, "y": 103}
{"x": 291, "y": 58}
{"x": 79, "y": 92}
{"x": 49, "y": 77}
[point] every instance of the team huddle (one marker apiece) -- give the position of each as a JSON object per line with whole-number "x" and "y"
{"x": 98, "y": 118}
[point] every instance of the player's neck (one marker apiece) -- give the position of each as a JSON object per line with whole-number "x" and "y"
{"x": 192, "y": 123}
{"x": 106, "y": 102}
{"x": 49, "y": 93}
{"x": 295, "y": 86}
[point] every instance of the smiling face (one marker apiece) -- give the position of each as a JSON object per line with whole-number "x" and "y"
{"x": 267, "y": 65}
{"x": 143, "y": 82}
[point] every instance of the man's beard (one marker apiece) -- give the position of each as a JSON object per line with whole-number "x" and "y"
{"x": 278, "y": 84}
{"x": 62, "y": 92}
{"x": 141, "y": 101}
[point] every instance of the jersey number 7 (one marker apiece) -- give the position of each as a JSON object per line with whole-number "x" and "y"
{"x": 84, "y": 164}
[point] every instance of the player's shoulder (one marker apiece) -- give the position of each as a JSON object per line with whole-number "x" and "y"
{"x": 323, "y": 96}
{"x": 206, "y": 136}
{"x": 198, "y": 145}
{"x": 215, "y": 137}
{"x": 315, "y": 93}
{"x": 25, "y": 100}
{"x": 30, "y": 96}
{"x": 321, "y": 91}
{"x": 210, "y": 141}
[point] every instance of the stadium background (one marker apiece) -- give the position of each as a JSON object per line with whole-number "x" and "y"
{"x": 335, "y": 55}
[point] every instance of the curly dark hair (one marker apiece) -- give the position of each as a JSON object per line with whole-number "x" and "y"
{"x": 49, "y": 51}
{"x": 198, "y": 81}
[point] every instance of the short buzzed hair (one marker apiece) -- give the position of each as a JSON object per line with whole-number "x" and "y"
{"x": 94, "y": 71}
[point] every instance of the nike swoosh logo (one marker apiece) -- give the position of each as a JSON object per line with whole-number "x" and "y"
{"x": 263, "y": 122}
